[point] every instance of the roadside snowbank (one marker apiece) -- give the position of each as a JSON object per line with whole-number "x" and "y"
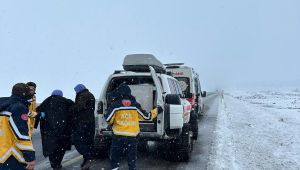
{"x": 258, "y": 130}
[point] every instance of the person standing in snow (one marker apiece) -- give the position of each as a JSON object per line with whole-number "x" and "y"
{"x": 124, "y": 114}
{"x": 55, "y": 124}
{"x": 32, "y": 107}
{"x": 84, "y": 125}
{"x": 16, "y": 149}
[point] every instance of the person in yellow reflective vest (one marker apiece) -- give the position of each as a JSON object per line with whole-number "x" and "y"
{"x": 16, "y": 150}
{"x": 32, "y": 107}
{"x": 124, "y": 114}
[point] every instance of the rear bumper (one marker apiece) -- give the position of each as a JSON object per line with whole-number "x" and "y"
{"x": 142, "y": 135}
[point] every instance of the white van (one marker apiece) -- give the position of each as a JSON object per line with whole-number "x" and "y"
{"x": 152, "y": 87}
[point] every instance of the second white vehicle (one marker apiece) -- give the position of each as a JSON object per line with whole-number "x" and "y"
{"x": 190, "y": 85}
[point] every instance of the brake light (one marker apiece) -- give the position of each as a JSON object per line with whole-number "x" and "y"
{"x": 192, "y": 100}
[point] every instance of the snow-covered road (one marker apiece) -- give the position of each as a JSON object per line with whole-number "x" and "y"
{"x": 258, "y": 130}
{"x": 244, "y": 130}
{"x": 154, "y": 158}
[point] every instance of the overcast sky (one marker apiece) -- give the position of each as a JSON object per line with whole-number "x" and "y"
{"x": 60, "y": 43}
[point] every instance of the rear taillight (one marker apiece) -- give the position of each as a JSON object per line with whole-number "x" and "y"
{"x": 192, "y": 100}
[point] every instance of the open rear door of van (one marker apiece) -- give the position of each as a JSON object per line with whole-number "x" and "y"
{"x": 159, "y": 100}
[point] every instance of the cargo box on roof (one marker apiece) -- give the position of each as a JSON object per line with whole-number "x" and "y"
{"x": 141, "y": 63}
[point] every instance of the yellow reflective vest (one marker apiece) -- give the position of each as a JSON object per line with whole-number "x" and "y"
{"x": 125, "y": 119}
{"x": 32, "y": 114}
{"x": 13, "y": 140}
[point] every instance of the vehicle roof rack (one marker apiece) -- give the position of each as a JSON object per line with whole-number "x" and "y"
{"x": 118, "y": 71}
{"x": 141, "y": 63}
{"x": 174, "y": 64}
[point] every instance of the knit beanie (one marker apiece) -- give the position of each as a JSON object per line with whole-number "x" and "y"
{"x": 79, "y": 88}
{"x": 57, "y": 93}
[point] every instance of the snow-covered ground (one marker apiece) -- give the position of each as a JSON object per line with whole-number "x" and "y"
{"x": 258, "y": 130}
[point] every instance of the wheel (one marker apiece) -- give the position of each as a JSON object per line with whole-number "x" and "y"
{"x": 182, "y": 147}
{"x": 185, "y": 144}
{"x": 194, "y": 125}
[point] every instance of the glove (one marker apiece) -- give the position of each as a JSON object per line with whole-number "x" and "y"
{"x": 159, "y": 109}
{"x": 43, "y": 115}
{"x": 154, "y": 113}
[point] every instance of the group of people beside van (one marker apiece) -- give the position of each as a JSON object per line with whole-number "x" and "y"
{"x": 63, "y": 123}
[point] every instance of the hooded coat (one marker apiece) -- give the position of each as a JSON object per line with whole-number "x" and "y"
{"x": 84, "y": 107}
{"x": 56, "y": 126}
{"x": 84, "y": 123}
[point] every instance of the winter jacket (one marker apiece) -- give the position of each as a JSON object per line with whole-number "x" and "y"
{"x": 84, "y": 107}
{"x": 56, "y": 126}
{"x": 3, "y": 100}
{"x": 124, "y": 113}
{"x": 83, "y": 130}
{"x": 14, "y": 131}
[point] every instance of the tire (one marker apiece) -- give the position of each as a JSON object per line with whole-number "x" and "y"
{"x": 182, "y": 147}
{"x": 102, "y": 147}
{"x": 194, "y": 125}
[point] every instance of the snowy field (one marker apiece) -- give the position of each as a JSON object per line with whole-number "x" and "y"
{"x": 258, "y": 130}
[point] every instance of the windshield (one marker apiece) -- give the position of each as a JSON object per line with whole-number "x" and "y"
{"x": 184, "y": 84}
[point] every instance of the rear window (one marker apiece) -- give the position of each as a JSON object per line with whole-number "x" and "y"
{"x": 142, "y": 88}
{"x": 184, "y": 84}
{"x": 115, "y": 82}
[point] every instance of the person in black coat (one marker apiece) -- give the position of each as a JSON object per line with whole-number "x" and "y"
{"x": 84, "y": 124}
{"x": 55, "y": 124}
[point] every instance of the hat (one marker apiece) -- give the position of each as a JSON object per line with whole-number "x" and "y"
{"x": 57, "y": 93}
{"x": 79, "y": 88}
{"x": 22, "y": 90}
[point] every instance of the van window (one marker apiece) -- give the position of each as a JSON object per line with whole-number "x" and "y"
{"x": 196, "y": 86}
{"x": 184, "y": 83}
{"x": 171, "y": 85}
{"x": 178, "y": 88}
{"x": 132, "y": 80}
{"x": 174, "y": 86}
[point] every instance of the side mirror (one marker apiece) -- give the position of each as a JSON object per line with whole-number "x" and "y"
{"x": 203, "y": 94}
{"x": 100, "y": 108}
{"x": 173, "y": 99}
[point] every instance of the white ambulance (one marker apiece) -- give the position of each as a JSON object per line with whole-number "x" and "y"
{"x": 190, "y": 85}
